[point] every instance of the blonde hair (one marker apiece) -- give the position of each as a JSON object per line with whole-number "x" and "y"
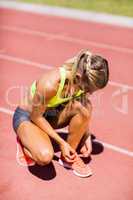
{"x": 94, "y": 68}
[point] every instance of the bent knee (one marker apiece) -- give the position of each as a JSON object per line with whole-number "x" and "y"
{"x": 44, "y": 157}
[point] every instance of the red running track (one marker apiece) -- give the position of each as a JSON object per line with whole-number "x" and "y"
{"x": 28, "y": 40}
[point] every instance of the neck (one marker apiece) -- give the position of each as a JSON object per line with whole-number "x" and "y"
{"x": 70, "y": 86}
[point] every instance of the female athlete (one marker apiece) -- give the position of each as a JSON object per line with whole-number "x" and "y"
{"x": 58, "y": 99}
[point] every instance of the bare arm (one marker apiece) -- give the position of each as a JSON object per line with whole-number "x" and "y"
{"x": 38, "y": 108}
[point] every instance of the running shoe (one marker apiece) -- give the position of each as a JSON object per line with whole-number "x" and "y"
{"x": 78, "y": 167}
{"x": 21, "y": 157}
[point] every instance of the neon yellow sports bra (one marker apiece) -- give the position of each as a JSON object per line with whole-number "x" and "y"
{"x": 57, "y": 100}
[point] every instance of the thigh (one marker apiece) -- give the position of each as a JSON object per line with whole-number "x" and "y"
{"x": 60, "y": 117}
{"x": 65, "y": 115}
{"x": 82, "y": 107}
{"x": 34, "y": 139}
{"x": 55, "y": 115}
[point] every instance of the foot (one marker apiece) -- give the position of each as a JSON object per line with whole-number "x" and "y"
{"x": 86, "y": 148}
{"x": 21, "y": 157}
{"x": 78, "y": 166}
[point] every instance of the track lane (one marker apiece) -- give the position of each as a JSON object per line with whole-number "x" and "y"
{"x": 97, "y": 32}
{"x": 113, "y": 169}
{"x": 107, "y": 174}
{"x": 12, "y": 41}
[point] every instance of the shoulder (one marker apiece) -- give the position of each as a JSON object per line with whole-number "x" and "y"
{"x": 48, "y": 83}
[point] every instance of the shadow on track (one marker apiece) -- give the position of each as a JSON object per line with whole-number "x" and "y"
{"x": 48, "y": 172}
{"x": 97, "y": 147}
{"x": 43, "y": 172}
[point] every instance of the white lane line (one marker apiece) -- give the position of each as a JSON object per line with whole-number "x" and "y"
{"x": 67, "y": 39}
{"x": 69, "y": 13}
{"x": 24, "y": 61}
{"x": 109, "y": 146}
{"x": 122, "y": 85}
{"x": 6, "y": 111}
{"x": 115, "y": 148}
{"x": 44, "y": 66}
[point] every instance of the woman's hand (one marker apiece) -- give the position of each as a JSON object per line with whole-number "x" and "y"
{"x": 68, "y": 153}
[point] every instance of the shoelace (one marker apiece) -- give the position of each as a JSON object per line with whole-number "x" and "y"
{"x": 79, "y": 162}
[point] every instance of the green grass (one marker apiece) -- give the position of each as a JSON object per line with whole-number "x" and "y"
{"x": 118, "y": 7}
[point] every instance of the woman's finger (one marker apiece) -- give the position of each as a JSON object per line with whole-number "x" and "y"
{"x": 72, "y": 150}
{"x": 69, "y": 160}
{"x": 72, "y": 156}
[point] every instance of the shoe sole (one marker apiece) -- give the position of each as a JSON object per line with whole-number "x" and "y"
{"x": 66, "y": 165}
